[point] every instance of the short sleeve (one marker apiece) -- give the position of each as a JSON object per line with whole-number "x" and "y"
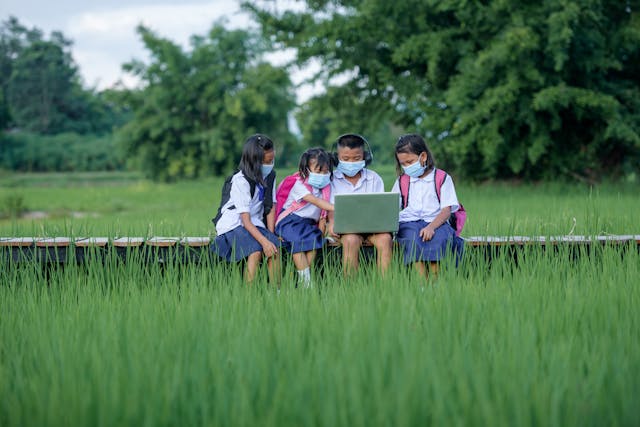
{"x": 240, "y": 194}
{"x": 448, "y": 195}
{"x": 298, "y": 191}
{"x": 378, "y": 184}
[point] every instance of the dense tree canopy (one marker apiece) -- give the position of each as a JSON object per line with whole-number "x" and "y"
{"x": 502, "y": 88}
{"x": 197, "y": 107}
{"x": 40, "y": 89}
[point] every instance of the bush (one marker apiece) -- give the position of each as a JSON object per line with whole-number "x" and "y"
{"x": 67, "y": 152}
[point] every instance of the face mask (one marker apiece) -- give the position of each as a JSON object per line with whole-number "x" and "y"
{"x": 350, "y": 168}
{"x": 318, "y": 180}
{"x": 414, "y": 170}
{"x": 266, "y": 170}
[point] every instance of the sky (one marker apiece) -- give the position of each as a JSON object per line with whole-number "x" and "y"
{"x": 103, "y": 33}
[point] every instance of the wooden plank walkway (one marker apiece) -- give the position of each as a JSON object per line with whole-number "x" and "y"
{"x": 160, "y": 249}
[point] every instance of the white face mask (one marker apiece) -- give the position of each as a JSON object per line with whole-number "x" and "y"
{"x": 351, "y": 168}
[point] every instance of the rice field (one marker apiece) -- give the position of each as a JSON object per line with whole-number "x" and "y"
{"x": 552, "y": 339}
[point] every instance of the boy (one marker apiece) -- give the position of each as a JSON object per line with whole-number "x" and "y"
{"x": 352, "y": 176}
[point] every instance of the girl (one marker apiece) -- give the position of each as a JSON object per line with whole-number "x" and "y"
{"x": 424, "y": 231}
{"x": 241, "y": 231}
{"x": 306, "y": 204}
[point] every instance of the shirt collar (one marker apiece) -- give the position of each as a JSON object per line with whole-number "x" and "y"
{"x": 429, "y": 178}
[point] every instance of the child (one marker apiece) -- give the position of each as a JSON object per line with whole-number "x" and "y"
{"x": 241, "y": 231}
{"x": 352, "y": 176}
{"x": 298, "y": 223}
{"x": 424, "y": 231}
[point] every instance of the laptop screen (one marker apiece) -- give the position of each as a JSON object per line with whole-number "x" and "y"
{"x": 366, "y": 213}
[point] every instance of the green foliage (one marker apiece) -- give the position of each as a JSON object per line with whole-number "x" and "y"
{"x": 546, "y": 342}
{"x": 197, "y": 108}
{"x": 65, "y": 152}
{"x": 502, "y": 88}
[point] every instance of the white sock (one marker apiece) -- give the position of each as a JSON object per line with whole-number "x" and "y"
{"x": 305, "y": 277}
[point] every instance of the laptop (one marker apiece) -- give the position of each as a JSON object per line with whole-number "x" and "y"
{"x": 366, "y": 213}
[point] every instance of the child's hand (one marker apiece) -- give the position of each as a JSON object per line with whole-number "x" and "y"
{"x": 269, "y": 249}
{"x": 427, "y": 233}
{"x": 330, "y": 230}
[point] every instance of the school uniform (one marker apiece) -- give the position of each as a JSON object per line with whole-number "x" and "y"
{"x": 300, "y": 229}
{"x": 369, "y": 182}
{"x": 422, "y": 209}
{"x": 233, "y": 241}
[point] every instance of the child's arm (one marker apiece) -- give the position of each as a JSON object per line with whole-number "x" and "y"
{"x": 268, "y": 248}
{"x": 427, "y": 232}
{"x": 271, "y": 220}
{"x": 330, "y": 232}
{"x": 318, "y": 201}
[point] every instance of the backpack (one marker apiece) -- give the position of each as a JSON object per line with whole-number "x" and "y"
{"x": 282, "y": 193}
{"x": 456, "y": 220}
{"x": 226, "y": 190}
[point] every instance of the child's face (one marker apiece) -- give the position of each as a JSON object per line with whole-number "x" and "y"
{"x": 313, "y": 167}
{"x": 406, "y": 159}
{"x": 269, "y": 157}
{"x": 346, "y": 154}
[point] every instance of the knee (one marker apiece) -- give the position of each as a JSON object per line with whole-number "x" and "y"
{"x": 351, "y": 241}
{"x": 382, "y": 242}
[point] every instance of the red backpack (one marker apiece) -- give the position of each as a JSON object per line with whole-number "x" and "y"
{"x": 456, "y": 220}
{"x": 283, "y": 191}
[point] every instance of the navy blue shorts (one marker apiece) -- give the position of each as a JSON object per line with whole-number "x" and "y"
{"x": 237, "y": 244}
{"x": 300, "y": 234}
{"x": 414, "y": 249}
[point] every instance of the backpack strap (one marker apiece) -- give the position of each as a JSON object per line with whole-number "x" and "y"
{"x": 268, "y": 192}
{"x": 404, "y": 189}
{"x": 296, "y": 205}
{"x": 440, "y": 178}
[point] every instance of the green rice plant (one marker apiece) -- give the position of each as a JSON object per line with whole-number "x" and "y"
{"x": 548, "y": 337}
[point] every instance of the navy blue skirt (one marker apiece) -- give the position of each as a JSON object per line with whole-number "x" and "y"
{"x": 414, "y": 249}
{"x": 237, "y": 244}
{"x": 300, "y": 234}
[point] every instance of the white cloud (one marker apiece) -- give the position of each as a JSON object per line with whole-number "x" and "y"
{"x": 105, "y": 39}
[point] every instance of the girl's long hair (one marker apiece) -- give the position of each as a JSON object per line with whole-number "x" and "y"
{"x": 321, "y": 157}
{"x": 413, "y": 144}
{"x": 252, "y": 156}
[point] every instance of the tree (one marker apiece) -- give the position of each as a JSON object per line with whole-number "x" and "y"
{"x": 196, "y": 108}
{"x": 502, "y": 89}
{"x": 40, "y": 88}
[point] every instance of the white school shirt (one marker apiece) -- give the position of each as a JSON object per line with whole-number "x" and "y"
{"x": 240, "y": 197}
{"x": 423, "y": 200}
{"x": 369, "y": 182}
{"x": 298, "y": 191}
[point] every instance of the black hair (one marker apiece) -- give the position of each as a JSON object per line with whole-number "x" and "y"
{"x": 321, "y": 157}
{"x": 351, "y": 140}
{"x": 413, "y": 144}
{"x": 252, "y": 156}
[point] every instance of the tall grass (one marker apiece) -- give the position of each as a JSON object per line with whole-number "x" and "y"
{"x": 551, "y": 339}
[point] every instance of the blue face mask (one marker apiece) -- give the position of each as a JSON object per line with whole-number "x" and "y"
{"x": 319, "y": 180}
{"x": 414, "y": 170}
{"x": 350, "y": 168}
{"x": 266, "y": 170}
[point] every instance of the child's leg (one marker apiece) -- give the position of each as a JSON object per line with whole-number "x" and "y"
{"x": 421, "y": 268}
{"x": 253, "y": 262}
{"x": 275, "y": 270}
{"x": 434, "y": 269}
{"x": 351, "y": 244}
{"x": 311, "y": 256}
{"x": 300, "y": 260}
{"x": 383, "y": 244}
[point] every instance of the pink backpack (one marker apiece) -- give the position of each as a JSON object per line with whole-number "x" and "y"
{"x": 283, "y": 191}
{"x": 456, "y": 220}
